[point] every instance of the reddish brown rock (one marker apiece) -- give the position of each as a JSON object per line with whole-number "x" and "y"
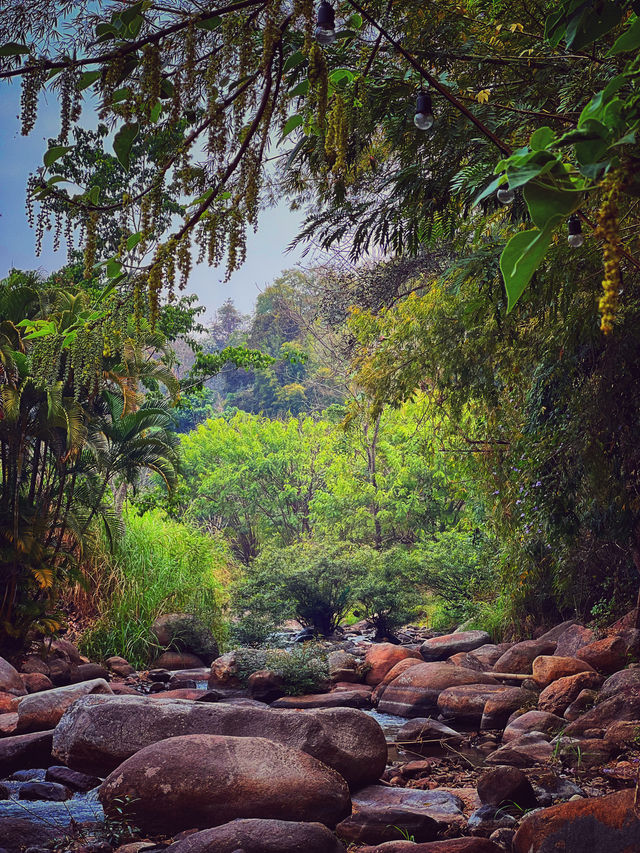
{"x": 623, "y": 706}
{"x": 19, "y": 833}
{"x": 378, "y": 812}
{"x": 20, "y": 752}
{"x": 520, "y": 658}
{"x": 489, "y": 654}
{"x": 498, "y": 708}
{"x": 585, "y": 700}
{"x": 345, "y": 739}
{"x": 555, "y": 632}
{"x": 6, "y": 702}
{"x": 255, "y": 835}
{"x": 606, "y": 656}
{"x": 525, "y": 751}
{"x": 8, "y": 724}
{"x": 60, "y": 671}
{"x": 224, "y": 671}
{"x": 120, "y": 666}
{"x": 624, "y": 733}
{"x": 343, "y": 667}
{"x": 533, "y": 721}
{"x": 506, "y": 786}
{"x": 265, "y": 685}
{"x": 66, "y": 650}
{"x": 583, "y": 753}
{"x": 88, "y": 672}
{"x": 10, "y": 680}
{"x": 427, "y": 737}
{"x": 415, "y": 692}
{"x": 36, "y": 682}
{"x": 451, "y": 845}
{"x": 574, "y": 639}
{"x": 440, "y": 648}
{"x": 199, "y": 781}
{"x": 619, "y": 681}
{"x": 467, "y": 660}
{"x": 381, "y": 657}
{"x": 607, "y": 823}
{"x": 548, "y": 668}
{"x": 42, "y": 711}
{"x": 189, "y": 693}
{"x": 33, "y": 663}
{"x": 335, "y": 699}
{"x": 465, "y": 703}
{"x": 177, "y": 660}
{"x": 394, "y": 672}
{"x": 557, "y": 697}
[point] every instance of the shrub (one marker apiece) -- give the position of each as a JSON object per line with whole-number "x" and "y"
{"x": 303, "y": 669}
{"x": 159, "y": 566}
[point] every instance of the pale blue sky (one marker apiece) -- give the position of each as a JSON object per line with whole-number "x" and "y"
{"x": 20, "y": 155}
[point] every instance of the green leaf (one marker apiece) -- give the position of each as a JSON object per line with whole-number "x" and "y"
{"x": 489, "y": 190}
{"x": 301, "y": 89}
{"x": 549, "y": 205}
{"x": 56, "y": 153}
{"x": 520, "y": 258}
{"x": 133, "y": 240}
{"x": 123, "y": 141}
{"x": 523, "y": 174}
{"x": 341, "y": 74}
{"x": 542, "y": 138}
{"x": 12, "y": 48}
{"x": 57, "y": 179}
{"x": 293, "y": 61}
{"x": 87, "y": 79}
{"x": 629, "y": 40}
{"x": 291, "y": 124}
{"x": 355, "y": 21}
{"x": 120, "y": 95}
{"x": 210, "y": 23}
{"x": 93, "y": 194}
{"x": 155, "y": 112}
{"x": 201, "y": 199}
{"x": 114, "y": 268}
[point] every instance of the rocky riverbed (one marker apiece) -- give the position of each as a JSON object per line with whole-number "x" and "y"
{"x": 436, "y": 744}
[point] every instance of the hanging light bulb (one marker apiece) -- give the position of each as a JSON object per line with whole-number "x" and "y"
{"x": 326, "y": 24}
{"x": 576, "y": 237}
{"x": 505, "y": 194}
{"x": 423, "y": 119}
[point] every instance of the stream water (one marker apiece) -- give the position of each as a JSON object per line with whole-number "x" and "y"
{"x": 81, "y": 807}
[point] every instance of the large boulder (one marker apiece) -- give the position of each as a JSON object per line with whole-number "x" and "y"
{"x": 347, "y": 740}
{"x": 415, "y": 693}
{"x": 378, "y": 812}
{"x": 519, "y": 658}
{"x": 10, "y": 680}
{"x": 427, "y": 737}
{"x": 557, "y": 697}
{"x": 451, "y": 845}
{"x": 343, "y": 666}
{"x": 177, "y": 660}
{"x": 525, "y": 751}
{"x": 19, "y": 833}
{"x": 393, "y": 673}
{"x": 24, "y": 751}
{"x": 623, "y": 706}
{"x": 619, "y": 681}
{"x": 533, "y": 721}
{"x": 440, "y": 648}
{"x": 465, "y": 703}
{"x": 381, "y": 657}
{"x": 607, "y": 655}
{"x": 500, "y": 706}
{"x": 574, "y": 639}
{"x": 40, "y": 711}
{"x": 548, "y": 668}
{"x": 256, "y": 835}
{"x": 185, "y": 632}
{"x": 335, "y": 699}
{"x": 607, "y": 823}
{"x": 506, "y": 786}
{"x": 199, "y": 781}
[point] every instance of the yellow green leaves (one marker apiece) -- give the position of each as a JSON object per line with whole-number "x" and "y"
{"x": 520, "y": 258}
{"x": 123, "y": 141}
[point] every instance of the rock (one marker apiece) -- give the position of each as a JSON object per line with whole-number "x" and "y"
{"x": 207, "y": 780}
{"x": 415, "y": 692}
{"x": 499, "y": 707}
{"x": 525, "y": 751}
{"x": 503, "y": 837}
{"x": 452, "y": 845}
{"x": 583, "y": 702}
{"x": 347, "y": 740}
{"x": 606, "y": 823}
{"x": 557, "y": 697}
{"x": 255, "y": 835}
{"x": 619, "y": 681}
{"x": 72, "y": 779}
{"x": 18, "y": 833}
{"x": 574, "y": 639}
{"x": 60, "y": 672}
{"x": 427, "y": 737}
{"x": 519, "y": 658}
{"x": 33, "y": 663}
{"x": 88, "y": 672}
{"x": 5, "y": 793}
{"x": 393, "y": 673}
{"x": 265, "y": 685}
{"x": 41, "y": 711}
{"x": 224, "y": 671}
{"x": 624, "y": 733}
{"x": 606, "y": 656}
{"x": 8, "y": 724}
{"x": 120, "y": 666}
{"x": 487, "y": 819}
{"x": 582, "y": 753}
{"x": 10, "y": 680}
{"x": 378, "y": 812}
{"x": 483, "y": 658}
{"x": 162, "y": 675}
{"x": 533, "y": 721}
{"x": 506, "y": 786}
{"x": 623, "y": 706}
{"x": 336, "y": 699}
{"x": 185, "y": 632}
{"x": 36, "y": 682}
{"x": 440, "y": 648}
{"x": 177, "y": 660}
{"x": 7, "y": 702}
{"x": 50, "y": 791}
{"x": 343, "y": 667}
{"x": 548, "y": 668}
{"x": 465, "y": 703}
{"x": 65, "y": 650}
{"x": 381, "y": 657}
{"x": 20, "y": 751}
{"x": 553, "y": 633}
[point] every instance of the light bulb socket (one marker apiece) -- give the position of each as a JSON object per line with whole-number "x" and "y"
{"x": 575, "y": 225}
{"x": 423, "y": 103}
{"x": 326, "y": 16}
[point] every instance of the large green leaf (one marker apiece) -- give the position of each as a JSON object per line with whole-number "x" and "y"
{"x": 56, "y": 153}
{"x": 548, "y": 205}
{"x": 123, "y": 141}
{"x": 629, "y": 40}
{"x": 13, "y": 49}
{"x": 520, "y": 258}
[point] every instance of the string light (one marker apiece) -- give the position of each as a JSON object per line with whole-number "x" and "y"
{"x": 576, "y": 237}
{"x": 326, "y": 24}
{"x": 423, "y": 119}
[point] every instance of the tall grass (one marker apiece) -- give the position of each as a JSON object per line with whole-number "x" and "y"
{"x": 159, "y": 566}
